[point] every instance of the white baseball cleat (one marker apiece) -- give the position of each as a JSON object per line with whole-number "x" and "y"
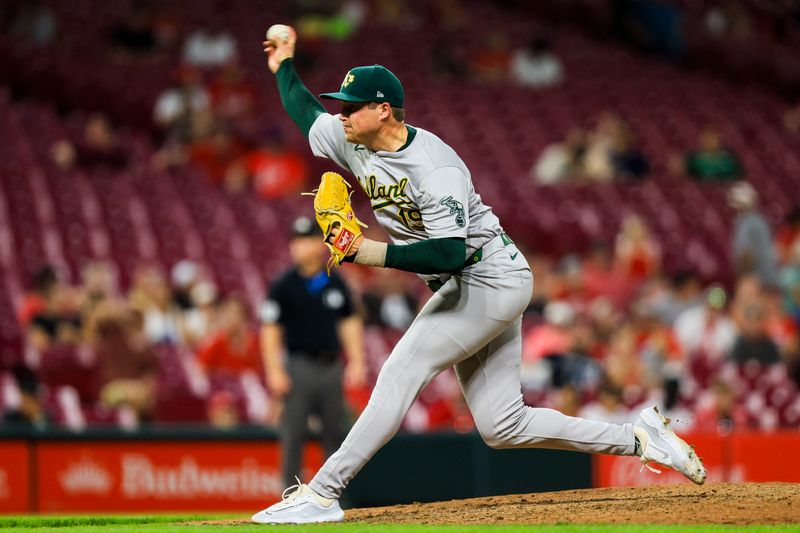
{"x": 300, "y": 506}
{"x": 661, "y": 445}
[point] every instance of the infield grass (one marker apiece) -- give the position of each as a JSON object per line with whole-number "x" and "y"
{"x": 178, "y": 523}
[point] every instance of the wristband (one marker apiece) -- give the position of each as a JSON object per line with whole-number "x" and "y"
{"x": 372, "y": 253}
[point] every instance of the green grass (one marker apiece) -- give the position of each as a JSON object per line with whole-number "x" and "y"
{"x": 176, "y": 523}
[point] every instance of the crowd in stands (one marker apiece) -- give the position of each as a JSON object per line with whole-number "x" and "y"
{"x": 608, "y": 328}
{"x": 605, "y": 332}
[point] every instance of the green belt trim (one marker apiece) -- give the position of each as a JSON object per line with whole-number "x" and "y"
{"x": 475, "y": 257}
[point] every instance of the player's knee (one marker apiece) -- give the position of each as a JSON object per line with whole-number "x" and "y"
{"x": 491, "y": 436}
{"x": 499, "y": 435}
{"x": 495, "y": 441}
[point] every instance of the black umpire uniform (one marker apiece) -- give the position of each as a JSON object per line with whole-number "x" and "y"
{"x": 308, "y": 310}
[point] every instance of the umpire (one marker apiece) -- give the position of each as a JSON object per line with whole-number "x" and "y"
{"x": 309, "y": 317}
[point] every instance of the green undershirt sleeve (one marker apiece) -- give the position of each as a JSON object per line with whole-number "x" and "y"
{"x": 433, "y": 256}
{"x": 302, "y": 106}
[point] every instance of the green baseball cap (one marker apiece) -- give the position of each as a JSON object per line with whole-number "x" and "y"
{"x": 374, "y": 83}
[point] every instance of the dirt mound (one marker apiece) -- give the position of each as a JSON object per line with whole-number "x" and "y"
{"x": 714, "y": 503}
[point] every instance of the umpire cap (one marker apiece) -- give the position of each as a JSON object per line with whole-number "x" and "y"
{"x": 305, "y": 227}
{"x": 374, "y": 83}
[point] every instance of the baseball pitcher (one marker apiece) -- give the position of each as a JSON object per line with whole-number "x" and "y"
{"x": 422, "y": 194}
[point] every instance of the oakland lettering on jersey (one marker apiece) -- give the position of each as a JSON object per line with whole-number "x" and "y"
{"x": 390, "y": 194}
{"x": 382, "y": 196}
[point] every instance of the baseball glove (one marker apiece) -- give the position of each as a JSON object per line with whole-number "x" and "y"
{"x": 333, "y": 209}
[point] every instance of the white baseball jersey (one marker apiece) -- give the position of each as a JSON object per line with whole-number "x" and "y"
{"x": 473, "y": 322}
{"x": 423, "y": 191}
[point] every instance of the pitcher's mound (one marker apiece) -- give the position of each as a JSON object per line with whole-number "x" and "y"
{"x": 714, "y": 503}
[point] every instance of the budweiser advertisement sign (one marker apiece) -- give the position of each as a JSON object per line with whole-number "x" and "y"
{"x": 14, "y": 477}
{"x": 161, "y": 476}
{"x": 732, "y": 458}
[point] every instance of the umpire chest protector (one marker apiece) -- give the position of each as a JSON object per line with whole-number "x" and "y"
{"x": 309, "y": 310}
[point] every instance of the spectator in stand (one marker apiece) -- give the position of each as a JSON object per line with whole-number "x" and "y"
{"x": 787, "y": 237}
{"x": 562, "y": 348}
{"x": 233, "y": 348}
{"x": 711, "y": 161}
{"x": 669, "y": 298}
{"x": 608, "y": 407}
{"x": 612, "y": 152}
{"x": 491, "y": 63}
{"x": 22, "y": 404}
{"x": 790, "y": 284}
{"x": 99, "y": 285}
{"x": 44, "y": 281}
{"x": 551, "y": 338}
{"x": 218, "y": 156}
{"x": 99, "y": 148}
{"x": 637, "y": 255}
{"x": 706, "y": 331}
{"x": 753, "y": 248}
{"x": 313, "y": 316}
{"x": 536, "y": 65}
{"x": 274, "y": 169}
{"x": 754, "y": 342}
{"x": 196, "y": 322}
{"x": 566, "y": 400}
{"x": 656, "y": 347}
{"x": 780, "y": 326}
{"x": 151, "y": 296}
{"x": 58, "y": 322}
{"x": 598, "y": 164}
{"x": 600, "y": 278}
{"x": 624, "y": 367}
{"x": 222, "y": 411}
{"x": 211, "y": 47}
{"x": 179, "y": 107}
{"x": 748, "y": 289}
{"x": 561, "y": 161}
{"x": 606, "y": 320}
{"x": 184, "y": 276}
{"x": 717, "y": 411}
{"x": 127, "y": 362}
{"x": 628, "y": 161}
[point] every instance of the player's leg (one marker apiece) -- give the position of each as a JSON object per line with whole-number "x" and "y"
{"x": 490, "y": 381}
{"x": 294, "y": 419}
{"x": 458, "y": 320}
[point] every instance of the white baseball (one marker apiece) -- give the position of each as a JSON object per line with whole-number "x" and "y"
{"x": 279, "y": 33}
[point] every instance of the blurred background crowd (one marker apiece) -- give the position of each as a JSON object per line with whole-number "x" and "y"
{"x": 644, "y": 154}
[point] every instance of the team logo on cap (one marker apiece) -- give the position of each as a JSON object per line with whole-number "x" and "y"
{"x": 348, "y": 79}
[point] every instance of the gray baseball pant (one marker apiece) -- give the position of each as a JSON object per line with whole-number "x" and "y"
{"x": 474, "y": 323}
